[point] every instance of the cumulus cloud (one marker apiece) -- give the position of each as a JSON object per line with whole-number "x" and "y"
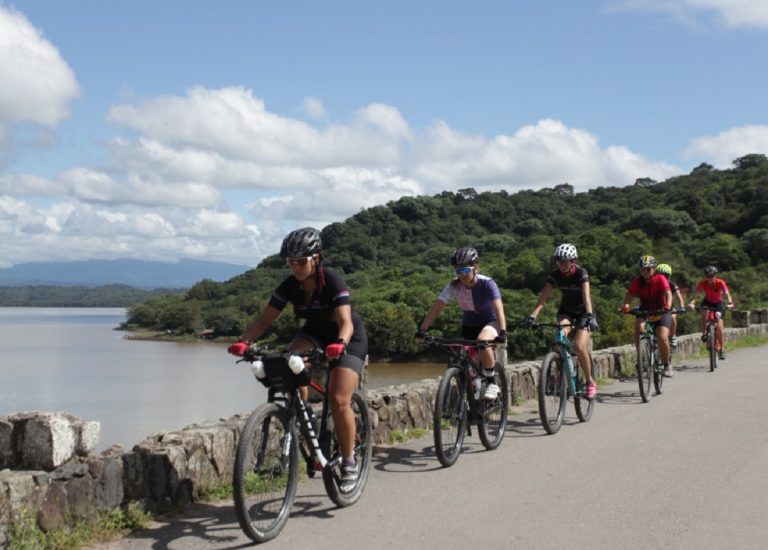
{"x": 37, "y": 84}
{"x": 314, "y": 108}
{"x": 733, "y": 13}
{"x": 722, "y": 149}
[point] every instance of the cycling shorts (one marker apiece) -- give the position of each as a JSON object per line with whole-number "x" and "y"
{"x": 471, "y": 333}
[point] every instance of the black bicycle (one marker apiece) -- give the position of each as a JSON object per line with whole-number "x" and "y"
{"x": 649, "y": 367}
{"x": 266, "y": 471}
{"x": 460, "y": 401}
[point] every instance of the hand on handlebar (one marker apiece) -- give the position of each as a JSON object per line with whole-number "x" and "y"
{"x": 335, "y": 350}
{"x": 529, "y": 321}
{"x": 501, "y": 338}
{"x": 238, "y": 348}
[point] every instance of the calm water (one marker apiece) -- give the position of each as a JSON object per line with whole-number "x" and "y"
{"x": 71, "y": 359}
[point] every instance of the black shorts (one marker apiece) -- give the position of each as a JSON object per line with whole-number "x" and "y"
{"x": 471, "y": 333}
{"x": 577, "y": 320}
{"x": 352, "y": 359}
{"x": 663, "y": 320}
{"x": 717, "y": 306}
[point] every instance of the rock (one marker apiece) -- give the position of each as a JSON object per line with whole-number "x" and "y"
{"x": 53, "y": 511}
{"x": 48, "y": 440}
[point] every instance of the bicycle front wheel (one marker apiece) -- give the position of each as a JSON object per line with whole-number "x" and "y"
{"x": 493, "y": 414}
{"x": 712, "y": 345}
{"x": 584, "y": 407}
{"x": 644, "y": 364}
{"x": 266, "y": 473}
{"x": 362, "y": 452}
{"x": 450, "y": 417}
{"x": 552, "y": 393}
{"x": 658, "y": 370}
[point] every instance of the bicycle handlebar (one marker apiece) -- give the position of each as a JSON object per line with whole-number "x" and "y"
{"x": 457, "y": 342}
{"x": 257, "y": 353}
{"x": 647, "y": 312}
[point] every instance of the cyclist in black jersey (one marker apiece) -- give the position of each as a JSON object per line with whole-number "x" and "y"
{"x": 666, "y": 270}
{"x": 575, "y": 306}
{"x": 321, "y": 297}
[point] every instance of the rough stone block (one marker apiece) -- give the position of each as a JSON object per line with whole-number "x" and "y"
{"x": 53, "y": 511}
{"x": 48, "y": 441}
{"x": 741, "y": 319}
{"x": 6, "y": 444}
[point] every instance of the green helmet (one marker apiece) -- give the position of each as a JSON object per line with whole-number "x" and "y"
{"x": 664, "y": 269}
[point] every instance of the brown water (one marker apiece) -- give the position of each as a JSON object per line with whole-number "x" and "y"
{"x": 71, "y": 359}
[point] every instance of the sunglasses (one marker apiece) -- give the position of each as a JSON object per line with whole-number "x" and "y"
{"x": 646, "y": 269}
{"x": 298, "y": 261}
{"x": 463, "y": 270}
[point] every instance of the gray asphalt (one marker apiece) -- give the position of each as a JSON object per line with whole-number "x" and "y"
{"x": 687, "y": 470}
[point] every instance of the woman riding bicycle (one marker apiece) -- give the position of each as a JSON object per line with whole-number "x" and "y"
{"x": 483, "y": 317}
{"x": 575, "y": 309}
{"x": 654, "y": 293}
{"x": 713, "y": 288}
{"x": 666, "y": 270}
{"x": 321, "y": 297}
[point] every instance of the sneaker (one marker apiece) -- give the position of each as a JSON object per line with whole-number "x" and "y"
{"x": 492, "y": 391}
{"x": 591, "y": 390}
{"x": 349, "y": 475}
{"x": 721, "y": 355}
{"x": 673, "y": 341}
{"x": 668, "y": 372}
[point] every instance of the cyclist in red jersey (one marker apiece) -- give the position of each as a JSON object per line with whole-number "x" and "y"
{"x": 713, "y": 289}
{"x": 653, "y": 290}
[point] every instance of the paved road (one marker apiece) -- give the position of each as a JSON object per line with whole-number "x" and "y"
{"x": 687, "y": 470}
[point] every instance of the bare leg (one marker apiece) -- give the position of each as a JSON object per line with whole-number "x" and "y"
{"x": 342, "y": 383}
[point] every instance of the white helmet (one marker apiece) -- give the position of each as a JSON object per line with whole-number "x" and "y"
{"x": 565, "y": 251}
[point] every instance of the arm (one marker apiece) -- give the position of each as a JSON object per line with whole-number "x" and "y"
{"x": 257, "y": 328}
{"x": 627, "y": 302}
{"x": 344, "y": 320}
{"x": 668, "y": 298}
{"x": 585, "y": 292}
{"x": 434, "y": 311}
{"x": 680, "y": 298}
{"x": 498, "y": 309}
{"x": 728, "y": 297}
{"x": 543, "y": 297}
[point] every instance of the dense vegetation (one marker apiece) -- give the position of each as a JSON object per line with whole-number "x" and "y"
{"x": 396, "y": 256}
{"x": 74, "y": 296}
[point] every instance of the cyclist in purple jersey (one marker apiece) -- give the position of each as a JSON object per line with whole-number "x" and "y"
{"x": 321, "y": 297}
{"x": 483, "y": 312}
{"x": 575, "y": 306}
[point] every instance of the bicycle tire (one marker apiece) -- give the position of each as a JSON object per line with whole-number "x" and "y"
{"x": 552, "y": 393}
{"x": 450, "y": 418}
{"x": 584, "y": 407}
{"x": 493, "y": 414}
{"x": 658, "y": 371}
{"x": 362, "y": 452}
{"x": 712, "y": 345}
{"x": 644, "y": 374}
{"x": 265, "y": 474}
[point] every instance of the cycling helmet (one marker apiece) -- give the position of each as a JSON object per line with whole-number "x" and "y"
{"x": 565, "y": 251}
{"x": 647, "y": 261}
{"x": 301, "y": 242}
{"x": 664, "y": 269}
{"x": 465, "y": 255}
{"x": 710, "y": 271}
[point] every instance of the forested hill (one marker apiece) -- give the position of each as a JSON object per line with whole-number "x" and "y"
{"x": 396, "y": 256}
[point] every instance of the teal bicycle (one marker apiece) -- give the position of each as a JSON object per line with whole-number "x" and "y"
{"x": 562, "y": 376}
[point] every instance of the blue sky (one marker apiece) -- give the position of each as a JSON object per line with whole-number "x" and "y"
{"x": 161, "y": 130}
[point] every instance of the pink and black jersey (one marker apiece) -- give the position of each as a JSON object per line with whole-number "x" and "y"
{"x": 652, "y": 294}
{"x": 569, "y": 284}
{"x": 475, "y": 302}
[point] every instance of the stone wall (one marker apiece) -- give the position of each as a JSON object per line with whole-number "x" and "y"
{"x": 58, "y": 482}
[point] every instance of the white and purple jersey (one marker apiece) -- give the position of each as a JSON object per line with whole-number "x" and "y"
{"x": 476, "y": 302}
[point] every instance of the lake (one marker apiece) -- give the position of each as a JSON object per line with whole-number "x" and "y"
{"x": 72, "y": 360}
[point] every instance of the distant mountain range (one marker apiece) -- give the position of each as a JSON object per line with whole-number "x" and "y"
{"x": 134, "y": 273}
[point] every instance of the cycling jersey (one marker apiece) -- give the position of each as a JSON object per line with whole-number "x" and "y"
{"x": 572, "y": 303}
{"x": 652, "y": 294}
{"x": 320, "y": 311}
{"x": 476, "y": 302}
{"x": 713, "y": 292}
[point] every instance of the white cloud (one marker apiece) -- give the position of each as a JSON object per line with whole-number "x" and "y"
{"x": 314, "y": 108}
{"x": 722, "y": 149}
{"x": 37, "y": 84}
{"x": 734, "y": 13}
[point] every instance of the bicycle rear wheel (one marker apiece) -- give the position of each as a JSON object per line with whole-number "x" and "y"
{"x": 644, "y": 374}
{"x": 584, "y": 407}
{"x": 450, "y": 417}
{"x": 658, "y": 370}
{"x": 361, "y": 451}
{"x": 265, "y": 473}
{"x": 493, "y": 414}
{"x": 552, "y": 393}
{"x": 712, "y": 345}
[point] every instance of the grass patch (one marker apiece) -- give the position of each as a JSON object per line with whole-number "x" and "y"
{"x": 24, "y": 533}
{"x": 398, "y": 436}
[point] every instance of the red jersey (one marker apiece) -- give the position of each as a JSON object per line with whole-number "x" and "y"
{"x": 652, "y": 294}
{"x": 713, "y": 293}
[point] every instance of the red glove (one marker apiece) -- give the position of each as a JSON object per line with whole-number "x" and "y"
{"x": 238, "y": 348}
{"x": 625, "y": 308}
{"x": 335, "y": 350}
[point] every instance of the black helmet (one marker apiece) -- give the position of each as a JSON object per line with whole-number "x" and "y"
{"x": 710, "y": 271}
{"x": 465, "y": 255}
{"x": 301, "y": 242}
